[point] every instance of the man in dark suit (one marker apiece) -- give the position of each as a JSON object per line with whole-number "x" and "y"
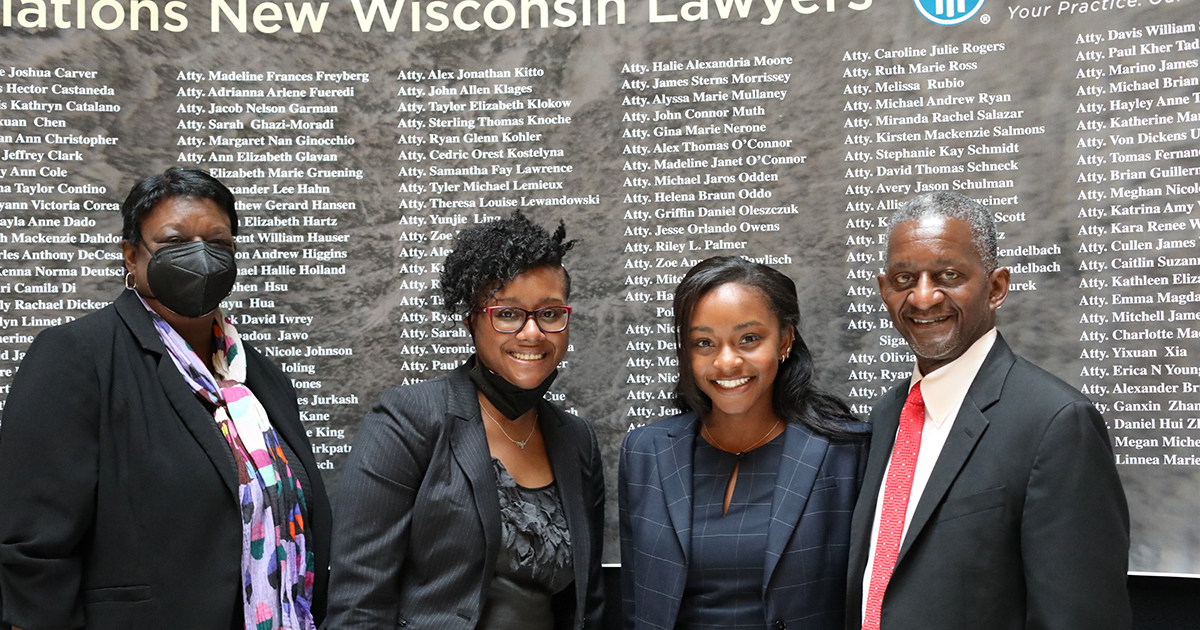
{"x": 991, "y": 499}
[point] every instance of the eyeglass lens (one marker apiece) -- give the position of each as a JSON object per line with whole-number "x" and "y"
{"x": 510, "y": 319}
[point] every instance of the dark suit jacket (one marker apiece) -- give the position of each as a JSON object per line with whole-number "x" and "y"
{"x": 804, "y": 571}
{"x": 118, "y": 490}
{"x": 1023, "y": 523}
{"x": 418, "y": 514}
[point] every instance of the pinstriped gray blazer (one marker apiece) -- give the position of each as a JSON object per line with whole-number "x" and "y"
{"x": 417, "y": 522}
{"x": 808, "y": 536}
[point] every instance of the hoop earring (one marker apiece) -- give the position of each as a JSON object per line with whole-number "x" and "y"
{"x": 129, "y": 282}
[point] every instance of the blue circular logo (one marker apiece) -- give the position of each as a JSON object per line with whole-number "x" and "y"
{"x": 948, "y": 12}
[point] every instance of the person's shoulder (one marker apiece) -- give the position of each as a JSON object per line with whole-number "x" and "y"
{"x": 844, "y": 435}
{"x": 846, "y": 450}
{"x": 71, "y": 353}
{"x": 84, "y": 332}
{"x": 851, "y": 430}
{"x": 1036, "y": 386}
{"x": 430, "y": 387}
{"x": 668, "y": 425}
{"x": 428, "y": 393}
{"x": 413, "y": 411}
{"x": 644, "y": 435}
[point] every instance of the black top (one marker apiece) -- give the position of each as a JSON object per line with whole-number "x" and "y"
{"x": 534, "y": 559}
{"x": 725, "y": 578}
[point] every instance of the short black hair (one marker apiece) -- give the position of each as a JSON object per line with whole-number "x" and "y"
{"x": 488, "y": 256}
{"x": 795, "y": 397}
{"x": 191, "y": 183}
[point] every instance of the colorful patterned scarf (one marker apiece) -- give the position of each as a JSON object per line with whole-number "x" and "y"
{"x": 277, "y": 575}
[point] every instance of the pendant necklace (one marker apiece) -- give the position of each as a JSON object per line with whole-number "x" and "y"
{"x": 709, "y": 436}
{"x": 532, "y": 427}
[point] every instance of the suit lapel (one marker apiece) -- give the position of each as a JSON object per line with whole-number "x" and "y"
{"x": 675, "y": 475}
{"x": 803, "y": 454}
{"x": 194, "y": 414}
{"x": 468, "y": 444}
{"x": 969, "y": 426}
{"x": 563, "y": 453}
{"x": 564, "y": 456}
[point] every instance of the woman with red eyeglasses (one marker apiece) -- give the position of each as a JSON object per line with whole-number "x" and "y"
{"x": 469, "y": 501}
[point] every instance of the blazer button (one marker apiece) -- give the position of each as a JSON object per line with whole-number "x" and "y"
{"x": 780, "y": 625}
{"x": 403, "y": 623}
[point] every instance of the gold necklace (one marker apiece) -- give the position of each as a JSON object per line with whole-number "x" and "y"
{"x": 709, "y": 436}
{"x": 522, "y": 443}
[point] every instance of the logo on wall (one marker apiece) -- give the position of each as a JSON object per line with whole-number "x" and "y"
{"x": 948, "y": 12}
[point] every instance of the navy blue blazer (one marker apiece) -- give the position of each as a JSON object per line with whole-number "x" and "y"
{"x": 808, "y": 537}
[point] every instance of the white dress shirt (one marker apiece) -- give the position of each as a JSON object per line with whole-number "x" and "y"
{"x": 943, "y": 390}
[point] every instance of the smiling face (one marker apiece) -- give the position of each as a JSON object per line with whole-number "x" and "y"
{"x": 524, "y": 358}
{"x": 937, "y": 291}
{"x": 735, "y": 347}
{"x": 174, "y": 220}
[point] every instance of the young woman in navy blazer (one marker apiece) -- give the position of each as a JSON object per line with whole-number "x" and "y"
{"x": 736, "y": 513}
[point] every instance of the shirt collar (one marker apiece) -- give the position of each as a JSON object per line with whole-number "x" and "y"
{"x": 946, "y": 387}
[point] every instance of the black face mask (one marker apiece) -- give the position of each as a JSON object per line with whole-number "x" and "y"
{"x": 510, "y": 400}
{"x": 191, "y": 278}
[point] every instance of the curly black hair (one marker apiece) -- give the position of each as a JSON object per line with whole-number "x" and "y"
{"x": 488, "y": 256}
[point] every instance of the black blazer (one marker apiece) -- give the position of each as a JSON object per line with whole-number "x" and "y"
{"x": 1023, "y": 523}
{"x": 418, "y": 515}
{"x": 804, "y": 570}
{"x": 118, "y": 490}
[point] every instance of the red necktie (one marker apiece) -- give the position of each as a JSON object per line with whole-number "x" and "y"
{"x": 895, "y": 503}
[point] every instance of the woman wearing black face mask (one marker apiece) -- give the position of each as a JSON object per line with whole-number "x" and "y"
{"x": 153, "y": 469}
{"x": 468, "y": 501}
